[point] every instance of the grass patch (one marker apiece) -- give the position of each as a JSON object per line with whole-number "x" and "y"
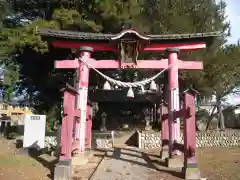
{"x": 15, "y": 160}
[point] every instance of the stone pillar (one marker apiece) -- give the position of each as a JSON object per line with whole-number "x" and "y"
{"x": 190, "y": 168}
{"x": 155, "y": 114}
{"x": 152, "y": 114}
{"x": 173, "y": 107}
{"x": 148, "y": 116}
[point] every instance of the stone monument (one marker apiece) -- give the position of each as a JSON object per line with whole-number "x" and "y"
{"x": 34, "y": 131}
{"x": 103, "y": 125}
{"x": 147, "y": 114}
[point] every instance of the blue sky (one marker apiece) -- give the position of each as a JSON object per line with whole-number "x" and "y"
{"x": 233, "y": 15}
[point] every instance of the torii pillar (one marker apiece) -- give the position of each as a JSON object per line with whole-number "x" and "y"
{"x": 190, "y": 168}
{"x": 89, "y": 128}
{"x": 82, "y": 124}
{"x": 164, "y": 154}
{"x": 80, "y": 106}
{"x": 63, "y": 169}
{"x": 83, "y": 71}
{"x": 174, "y": 102}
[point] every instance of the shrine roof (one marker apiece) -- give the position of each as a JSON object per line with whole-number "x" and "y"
{"x": 71, "y": 35}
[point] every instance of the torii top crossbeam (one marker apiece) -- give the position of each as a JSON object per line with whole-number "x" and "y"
{"x": 128, "y": 44}
{"x": 110, "y": 42}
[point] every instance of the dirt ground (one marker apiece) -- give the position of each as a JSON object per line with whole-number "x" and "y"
{"x": 214, "y": 163}
{"x": 219, "y": 163}
{"x": 18, "y": 166}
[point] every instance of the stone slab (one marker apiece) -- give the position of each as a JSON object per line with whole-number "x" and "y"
{"x": 126, "y": 164}
{"x": 175, "y": 162}
{"x": 63, "y": 170}
{"x": 164, "y": 154}
{"x": 192, "y": 173}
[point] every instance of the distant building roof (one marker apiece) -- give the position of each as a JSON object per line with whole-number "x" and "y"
{"x": 4, "y": 118}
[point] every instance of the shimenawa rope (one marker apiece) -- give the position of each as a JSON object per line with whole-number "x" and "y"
{"x": 124, "y": 84}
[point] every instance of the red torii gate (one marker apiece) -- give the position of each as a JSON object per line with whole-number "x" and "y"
{"x": 173, "y": 63}
{"x": 172, "y": 44}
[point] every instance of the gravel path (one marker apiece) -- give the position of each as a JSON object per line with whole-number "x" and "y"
{"x": 127, "y": 164}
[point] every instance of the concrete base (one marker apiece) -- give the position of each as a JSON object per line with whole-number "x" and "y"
{"x": 79, "y": 159}
{"x": 63, "y": 170}
{"x": 192, "y": 173}
{"x": 164, "y": 153}
{"x": 175, "y": 162}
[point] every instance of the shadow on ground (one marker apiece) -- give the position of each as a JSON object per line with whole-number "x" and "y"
{"x": 39, "y": 155}
{"x": 151, "y": 161}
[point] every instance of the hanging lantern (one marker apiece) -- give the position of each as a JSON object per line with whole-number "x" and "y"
{"x": 107, "y": 86}
{"x": 130, "y": 93}
{"x": 153, "y": 86}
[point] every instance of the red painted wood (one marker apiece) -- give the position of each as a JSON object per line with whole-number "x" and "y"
{"x": 112, "y": 64}
{"x": 142, "y": 64}
{"x": 148, "y": 47}
{"x": 63, "y": 138}
{"x": 189, "y": 129}
{"x": 77, "y": 113}
{"x": 67, "y": 126}
{"x": 66, "y": 64}
{"x": 69, "y": 109}
{"x": 165, "y": 128}
{"x": 177, "y": 114}
{"x": 182, "y": 46}
{"x": 173, "y": 102}
{"x": 82, "y": 104}
{"x": 95, "y": 46}
{"x": 107, "y": 64}
{"x": 89, "y": 127}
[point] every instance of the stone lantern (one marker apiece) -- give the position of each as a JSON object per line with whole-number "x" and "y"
{"x": 147, "y": 114}
{"x": 103, "y": 125}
